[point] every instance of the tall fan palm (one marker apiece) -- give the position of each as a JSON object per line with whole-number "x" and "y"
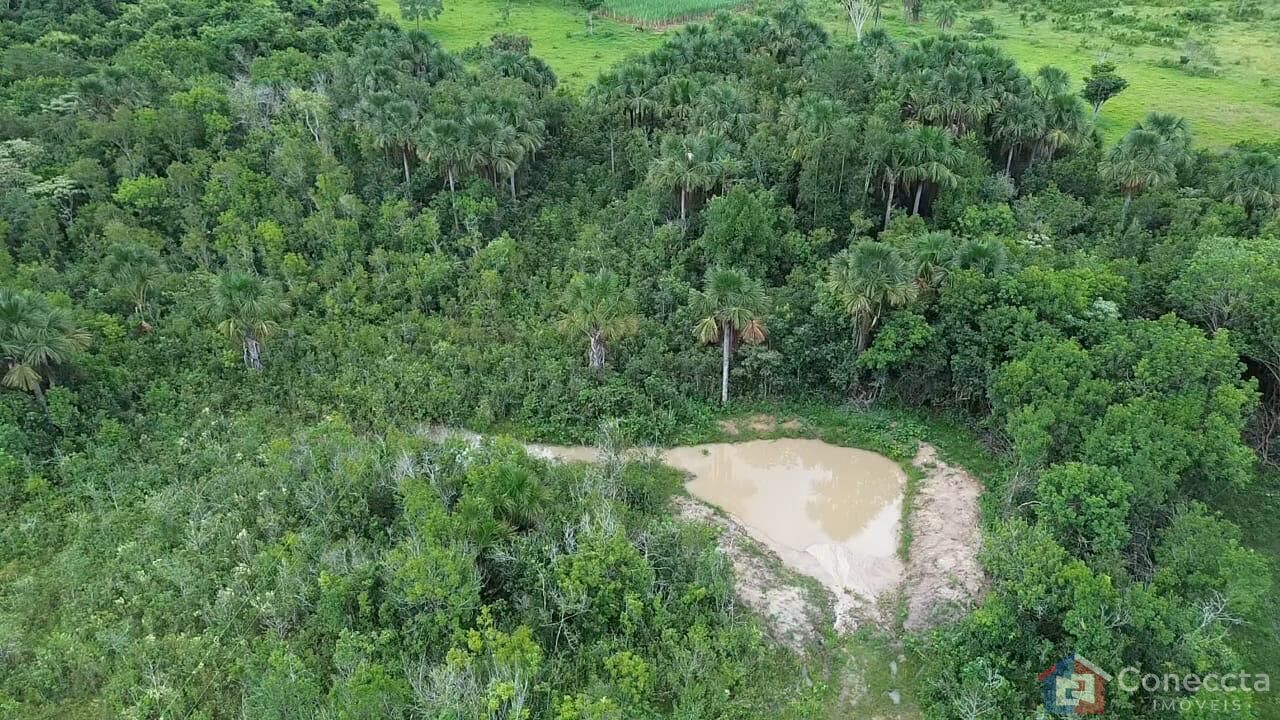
{"x": 988, "y": 256}
{"x": 247, "y": 308}
{"x": 444, "y": 146}
{"x": 730, "y": 309}
{"x": 930, "y": 155}
{"x": 1066, "y": 121}
{"x": 132, "y": 270}
{"x": 866, "y": 281}
{"x": 1253, "y": 181}
{"x": 389, "y": 123}
{"x": 682, "y": 165}
{"x": 597, "y": 306}
{"x": 1142, "y": 160}
{"x": 893, "y": 161}
{"x": 1018, "y": 123}
{"x": 946, "y": 15}
{"x": 1175, "y": 131}
{"x": 35, "y": 338}
{"x": 932, "y": 257}
{"x": 1051, "y": 81}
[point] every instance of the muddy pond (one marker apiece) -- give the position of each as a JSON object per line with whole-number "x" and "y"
{"x": 830, "y": 512}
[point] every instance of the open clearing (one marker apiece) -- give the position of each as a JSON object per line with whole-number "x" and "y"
{"x": 1243, "y": 103}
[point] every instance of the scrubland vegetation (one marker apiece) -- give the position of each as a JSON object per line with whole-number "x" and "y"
{"x": 253, "y": 249}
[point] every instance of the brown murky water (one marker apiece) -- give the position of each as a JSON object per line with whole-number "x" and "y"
{"x": 830, "y": 512}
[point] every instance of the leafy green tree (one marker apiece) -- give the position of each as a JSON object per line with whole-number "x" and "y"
{"x": 599, "y": 307}
{"x": 247, "y": 309}
{"x": 417, "y": 10}
{"x": 1235, "y": 284}
{"x": 868, "y": 280}
{"x": 1085, "y": 507}
{"x": 36, "y": 339}
{"x": 730, "y": 308}
{"x": 1141, "y": 161}
{"x": 1101, "y": 84}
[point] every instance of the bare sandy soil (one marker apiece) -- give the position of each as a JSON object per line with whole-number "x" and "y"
{"x": 944, "y": 578}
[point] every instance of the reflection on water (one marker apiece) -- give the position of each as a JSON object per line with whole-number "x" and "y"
{"x": 830, "y": 512}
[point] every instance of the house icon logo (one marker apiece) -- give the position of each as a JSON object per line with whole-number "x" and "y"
{"x": 1074, "y": 686}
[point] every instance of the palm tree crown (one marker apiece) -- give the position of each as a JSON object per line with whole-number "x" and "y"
{"x": 730, "y": 309}
{"x": 867, "y": 280}
{"x": 35, "y": 338}
{"x": 1141, "y": 161}
{"x": 247, "y": 309}
{"x": 1253, "y": 182}
{"x": 598, "y": 307}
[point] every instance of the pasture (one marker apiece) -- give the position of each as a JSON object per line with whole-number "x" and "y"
{"x": 1241, "y": 103}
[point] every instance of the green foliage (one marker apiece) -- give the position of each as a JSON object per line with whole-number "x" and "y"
{"x": 427, "y": 238}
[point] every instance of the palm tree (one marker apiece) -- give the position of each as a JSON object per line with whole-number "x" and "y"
{"x": 958, "y": 98}
{"x": 986, "y": 255}
{"x": 1253, "y": 181}
{"x": 932, "y": 256}
{"x": 1019, "y": 122}
{"x": 947, "y": 13}
{"x": 444, "y": 146}
{"x": 1051, "y": 81}
{"x": 1175, "y": 131}
{"x": 730, "y": 310}
{"x": 598, "y": 307}
{"x": 35, "y": 338}
{"x": 930, "y": 155}
{"x": 1142, "y": 160}
{"x": 134, "y": 270}
{"x": 866, "y": 281}
{"x": 1066, "y": 121}
{"x": 389, "y": 123}
{"x": 247, "y": 309}
{"x": 893, "y": 161}
{"x": 680, "y": 164}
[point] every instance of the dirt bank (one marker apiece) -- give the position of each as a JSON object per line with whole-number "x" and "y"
{"x": 943, "y": 578}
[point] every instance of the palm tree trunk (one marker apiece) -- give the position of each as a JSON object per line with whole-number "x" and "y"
{"x": 683, "y": 192}
{"x": 915, "y": 207}
{"x": 596, "y": 353}
{"x": 888, "y": 205}
{"x": 404, "y": 158}
{"x": 1124, "y": 210}
{"x": 512, "y": 177}
{"x": 1008, "y": 163}
{"x": 38, "y": 391}
{"x": 726, "y": 344}
{"x": 252, "y": 353}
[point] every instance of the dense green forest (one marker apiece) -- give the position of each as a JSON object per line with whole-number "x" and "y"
{"x": 253, "y": 248}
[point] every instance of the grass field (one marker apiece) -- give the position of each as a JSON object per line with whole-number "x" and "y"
{"x": 1238, "y": 105}
{"x": 666, "y": 10}
{"x": 558, "y": 29}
